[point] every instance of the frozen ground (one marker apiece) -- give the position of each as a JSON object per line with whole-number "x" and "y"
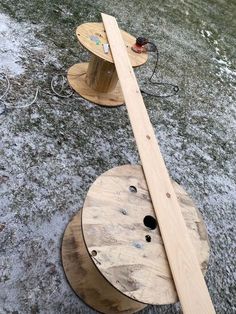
{"x": 52, "y": 151}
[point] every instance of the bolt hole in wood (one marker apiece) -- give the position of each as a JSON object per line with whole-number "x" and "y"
{"x": 94, "y": 253}
{"x": 133, "y": 189}
{"x": 148, "y": 238}
{"x": 150, "y": 222}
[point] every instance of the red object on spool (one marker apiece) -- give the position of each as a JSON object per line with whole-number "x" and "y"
{"x": 139, "y": 46}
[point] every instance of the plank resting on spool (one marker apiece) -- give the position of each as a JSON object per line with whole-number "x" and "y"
{"x": 119, "y": 225}
{"x": 190, "y": 284}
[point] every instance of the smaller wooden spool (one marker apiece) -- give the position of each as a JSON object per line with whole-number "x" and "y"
{"x": 116, "y": 262}
{"x": 97, "y": 80}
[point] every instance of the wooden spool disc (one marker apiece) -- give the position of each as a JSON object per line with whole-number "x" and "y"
{"x": 77, "y": 79}
{"x": 82, "y": 81}
{"x": 85, "y": 33}
{"x": 123, "y": 238}
{"x": 86, "y": 280}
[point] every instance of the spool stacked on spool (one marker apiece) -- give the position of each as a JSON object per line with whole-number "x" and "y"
{"x": 112, "y": 252}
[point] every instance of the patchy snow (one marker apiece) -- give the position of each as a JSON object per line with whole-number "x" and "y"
{"x": 225, "y": 68}
{"x": 13, "y": 38}
{"x": 205, "y": 33}
{"x": 223, "y": 64}
{"x": 51, "y": 152}
{"x": 16, "y": 39}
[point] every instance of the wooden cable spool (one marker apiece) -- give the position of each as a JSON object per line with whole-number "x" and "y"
{"x": 97, "y": 80}
{"x": 113, "y": 255}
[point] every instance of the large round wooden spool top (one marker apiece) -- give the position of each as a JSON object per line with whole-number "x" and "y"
{"x": 123, "y": 238}
{"x": 93, "y": 35}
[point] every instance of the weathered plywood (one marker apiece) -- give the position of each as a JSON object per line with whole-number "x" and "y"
{"x": 86, "y": 280}
{"x": 113, "y": 227}
{"x": 189, "y": 282}
{"x": 87, "y": 34}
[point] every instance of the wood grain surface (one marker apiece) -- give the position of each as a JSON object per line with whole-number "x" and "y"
{"x": 129, "y": 254}
{"x": 101, "y": 75}
{"x": 76, "y": 76}
{"x": 185, "y": 268}
{"x": 92, "y": 36}
{"x": 86, "y": 280}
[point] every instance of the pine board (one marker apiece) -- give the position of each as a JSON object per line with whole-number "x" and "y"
{"x": 189, "y": 281}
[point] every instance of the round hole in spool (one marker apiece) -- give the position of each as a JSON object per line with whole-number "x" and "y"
{"x": 144, "y": 255}
{"x": 94, "y": 253}
{"x": 133, "y": 189}
{"x": 124, "y": 212}
{"x": 150, "y": 222}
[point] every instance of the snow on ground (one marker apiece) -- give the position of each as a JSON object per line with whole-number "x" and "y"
{"x": 16, "y": 39}
{"x": 52, "y": 151}
{"x": 13, "y": 39}
{"x": 223, "y": 64}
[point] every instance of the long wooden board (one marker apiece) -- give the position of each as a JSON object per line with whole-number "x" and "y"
{"x": 190, "y": 284}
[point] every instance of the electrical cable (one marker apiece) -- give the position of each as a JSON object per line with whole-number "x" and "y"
{"x": 64, "y": 81}
{"x": 27, "y": 105}
{"x": 6, "y": 92}
{"x": 150, "y": 79}
{"x": 152, "y": 48}
{"x": 8, "y": 85}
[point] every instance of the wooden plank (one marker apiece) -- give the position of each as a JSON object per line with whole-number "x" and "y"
{"x": 190, "y": 285}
